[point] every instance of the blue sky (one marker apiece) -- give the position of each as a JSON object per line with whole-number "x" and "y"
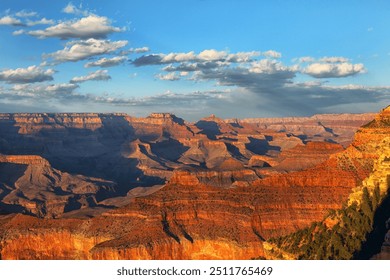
{"x": 194, "y": 58}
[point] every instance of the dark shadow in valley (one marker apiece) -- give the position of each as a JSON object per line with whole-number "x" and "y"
{"x": 376, "y": 237}
{"x": 260, "y": 146}
{"x": 9, "y": 174}
{"x": 169, "y": 149}
{"x": 234, "y": 151}
{"x": 13, "y": 208}
{"x": 236, "y": 125}
{"x": 209, "y": 128}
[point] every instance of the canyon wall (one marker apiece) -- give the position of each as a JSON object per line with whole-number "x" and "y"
{"x": 120, "y": 187}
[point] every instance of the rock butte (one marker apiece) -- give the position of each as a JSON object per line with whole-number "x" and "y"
{"x": 111, "y": 186}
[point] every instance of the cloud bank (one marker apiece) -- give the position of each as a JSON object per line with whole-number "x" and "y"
{"x": 31, "y": 74}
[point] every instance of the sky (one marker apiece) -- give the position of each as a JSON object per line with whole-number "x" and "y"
{"x": 231, "y": 58}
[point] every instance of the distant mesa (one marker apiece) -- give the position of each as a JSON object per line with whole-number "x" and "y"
{"x": 166, "y": 117}
{"x": 213, "y": 118}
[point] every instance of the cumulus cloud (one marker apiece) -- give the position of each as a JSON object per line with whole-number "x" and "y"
{"x": 83, "y": 49}
{"x": 31, "y": 74}
{"x": 61, "y": 88}
{"x": 16, "y": 20}
{"x": 99, "y": 75}
{"x": 72, "y": 9}
{"x": 92, "y": 26}
{"x": 328, "y": 67}
{"x": 272, "y": 54}
{"x": 265, "y": 84}
{"x": 10, "y": 20}
{"x": 304, "y": 59}
{"x": 209, "y": 55}
{"x": 269, "y": 66}
{"x": 40, "y": 90}
{"x": 178, "y": 57}
{"x": 237, "y": 69}
{"x": 169, "y": 77}
{"x": 42, "y": 21}
{"x": 107, "y": 62}
{"x": 333, "y": 70}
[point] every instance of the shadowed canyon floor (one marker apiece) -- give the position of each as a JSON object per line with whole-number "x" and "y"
{"x": 111, "y": 186}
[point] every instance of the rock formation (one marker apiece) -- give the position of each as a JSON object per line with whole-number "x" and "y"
{"x": 158, "y": 187}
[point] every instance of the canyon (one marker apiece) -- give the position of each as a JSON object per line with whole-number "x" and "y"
{"x": 112, "y": 186}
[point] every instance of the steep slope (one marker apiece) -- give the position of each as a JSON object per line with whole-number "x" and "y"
{"x": 346, "y": 233}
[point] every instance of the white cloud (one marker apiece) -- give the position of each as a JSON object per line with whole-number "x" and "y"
{"x": 169, "y": 77}
{"x": 177, "y": 57}
{"x": 25, "y": 14}
{"x": 31, "y": 74}
{"x": 52, "y": 90}
{"x": 100, "y": 75}
{"x": 135, "y": 50}
{"x": 106, "y": 62}
{"x": 42, "y": 21}
{"x": 304, "y": 59}
{"x": 333, "y": 59}
{"x": 272, "y": 53}
{"x": 242, "y": 57}
{"x": 61, "y": 88}
{"x": 83, "y": 49}
{"x": 72, "y": 9}
{"x": 333, "y": 70}
{"x": 88, "y": 27}
{"x": 139, "y": 50}
{"x": 9, "y": 20}
{"x": 19, "y": 32}
{"x": 268, "y": 66}
{"x": 211, "y": 55}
